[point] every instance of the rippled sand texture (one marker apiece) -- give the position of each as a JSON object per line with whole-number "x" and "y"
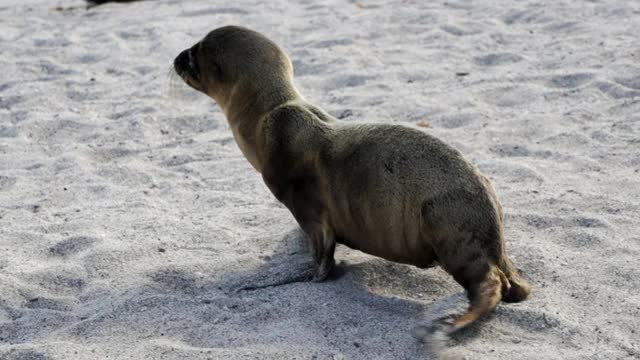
{"x": 126, "y": 213}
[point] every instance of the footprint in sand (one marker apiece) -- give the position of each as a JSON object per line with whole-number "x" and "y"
{"x": 176, "y": 280}
{"x": 177, "y": 160}
{"x": 54, "y": 70}
{"x": 616, "y": 91}
{"x": 63, "y": 279}
{"x": 303, "y": 68}
{"x": 581, "y": 239}
{"x": 91, "y": 58}
{"x": 566, "y": 139}
{"x": 510, "y": 150}
{"x": 6, "y": 182}
{"x": 570, "y": 80}
{"x": 519, "y": 150}
{"x": 456, "y": 120}
{"x": 350, "y": 81}
{"x": 7, "y": 102}
{"x": 546, "y": 222}
{"x": 132, "y": 112}
{"x": 630, "y": 82}
{"x": 215, "y": 11}
{"x": 62, "y": 304}
{"x": 23, "y": 354}
{"x": 323, "y": 44}
{"x": 190, "y": 124}
{"x": 8, "y": 132}
{"x": 562, "y": 27}
{"x": 124, "y": 175}
{"x": 513, "y": 172}
{"x": 114, "y": 153}
{"x": 536, "y": 320}
{"x": 73, "y": 245}
{"x": 5, "y": 86}
{"x": 511, "y": 95}
{"x": 460, "y": 30}
{"x": 528, "y": 16}
{"x": 56, "y": 42}
{"x": 497, "y": 59}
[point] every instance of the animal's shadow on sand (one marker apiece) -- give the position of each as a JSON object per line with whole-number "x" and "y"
{"x": 376, "y": 284}
{"x": 398, "y": 297}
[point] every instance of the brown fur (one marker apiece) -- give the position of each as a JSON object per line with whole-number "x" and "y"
{"x": 387, "y": 190}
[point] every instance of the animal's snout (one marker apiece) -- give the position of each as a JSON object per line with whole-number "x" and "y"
{"x": 181, "y": 62}
{"x": 186, "y": 63}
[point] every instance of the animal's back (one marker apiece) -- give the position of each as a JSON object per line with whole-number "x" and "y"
{"x": 392, "y": 172}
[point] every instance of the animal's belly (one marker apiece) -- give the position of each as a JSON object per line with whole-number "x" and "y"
{"x": 379, "y": 211}
{"x": 390, "y": 239}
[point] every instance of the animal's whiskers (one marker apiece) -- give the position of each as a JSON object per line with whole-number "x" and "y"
{"x": 177, "y": 89}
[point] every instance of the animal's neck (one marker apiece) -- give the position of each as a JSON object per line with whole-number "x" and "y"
{"x": 245, "y": 108}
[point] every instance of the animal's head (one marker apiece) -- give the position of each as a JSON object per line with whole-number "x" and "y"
{"x": 231, "y": 57}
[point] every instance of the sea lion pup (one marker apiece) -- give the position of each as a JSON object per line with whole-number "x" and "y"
{"x": 387, "y": 190}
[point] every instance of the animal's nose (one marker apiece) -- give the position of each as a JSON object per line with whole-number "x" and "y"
{"x": 181, "y": 63}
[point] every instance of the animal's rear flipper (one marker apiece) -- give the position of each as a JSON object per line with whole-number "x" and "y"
{"x": 519, "y": 289}
{"x": 436, "y": 340}
{"x": 515, "y": 289}
{"x": 484, "y": 297}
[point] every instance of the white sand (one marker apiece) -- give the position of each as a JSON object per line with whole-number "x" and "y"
{"x": 124, "y": 215}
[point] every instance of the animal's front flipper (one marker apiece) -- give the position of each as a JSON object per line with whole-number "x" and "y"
{"x": 323, "y": 243}
{"x": 285, "y": 270}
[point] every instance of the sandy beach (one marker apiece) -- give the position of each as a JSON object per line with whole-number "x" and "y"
{"x": 127, "y": 211}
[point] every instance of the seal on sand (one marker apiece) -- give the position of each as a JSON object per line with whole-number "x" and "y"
{"x": 387, "y": 190}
